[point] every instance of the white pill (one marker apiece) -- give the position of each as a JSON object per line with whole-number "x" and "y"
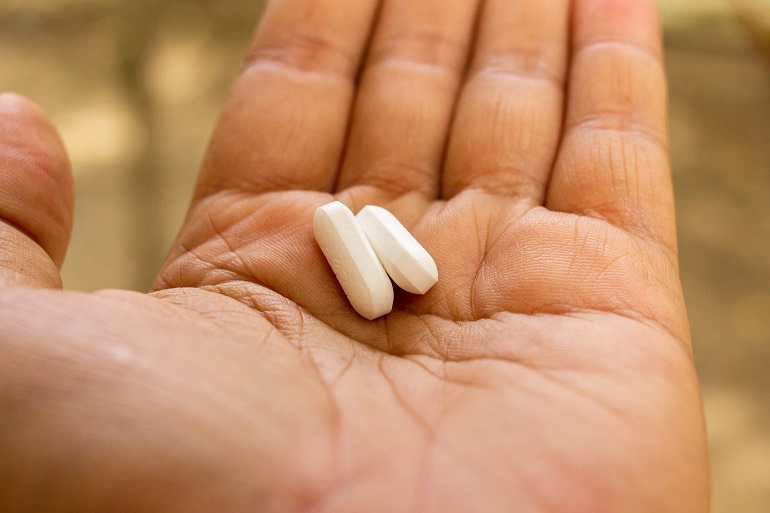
{"x": 350, "y": 255}
{"x": 405, "y": 260}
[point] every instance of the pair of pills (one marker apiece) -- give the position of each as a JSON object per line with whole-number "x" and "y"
{"x": 364, "y": 250}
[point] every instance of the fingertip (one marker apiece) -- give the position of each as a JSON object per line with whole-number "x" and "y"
{"x": 36, "y": 185}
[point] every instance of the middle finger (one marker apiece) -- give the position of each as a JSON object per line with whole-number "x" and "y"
{"x": 406, "y": 97}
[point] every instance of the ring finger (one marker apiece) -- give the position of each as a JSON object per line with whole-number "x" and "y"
{"x": 508, "y": 120}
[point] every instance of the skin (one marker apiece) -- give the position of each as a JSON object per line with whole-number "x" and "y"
{"x": 549, "y": 370}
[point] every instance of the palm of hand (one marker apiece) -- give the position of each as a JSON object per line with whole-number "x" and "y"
{"x": 547, "y": 371}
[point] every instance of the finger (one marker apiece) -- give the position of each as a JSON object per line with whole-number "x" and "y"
{"x": 613, "y": 162}
{"x": 36, "y": 196}
{"x": 285, "y": 122}
{"x": 407, "y": 95}
{"x": 509, "y": 116}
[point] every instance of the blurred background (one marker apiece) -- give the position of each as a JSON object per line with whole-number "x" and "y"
{"x": 135, "y": 87}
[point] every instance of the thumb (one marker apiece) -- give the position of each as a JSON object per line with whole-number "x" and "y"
{"x": 36, "y": 196}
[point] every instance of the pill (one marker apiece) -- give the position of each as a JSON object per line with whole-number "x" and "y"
{"x": 406, "y": 261}
{"x": 348, "y": 251}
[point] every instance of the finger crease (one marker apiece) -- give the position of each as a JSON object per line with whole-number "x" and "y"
{"x": 620, "y": 123}
{"x": 623, "y": 45}
{"x": 428, "y": 50}
{"x": 307, "y": 55}
{"x": 518, "y": 66}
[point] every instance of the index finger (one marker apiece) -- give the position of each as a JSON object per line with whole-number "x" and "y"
{"x": 285, "y": 122}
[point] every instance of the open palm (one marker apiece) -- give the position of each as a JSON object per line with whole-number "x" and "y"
{"x": 549, "y": 370}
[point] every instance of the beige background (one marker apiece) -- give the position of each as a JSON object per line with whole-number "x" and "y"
{"x": 135, "y": 87}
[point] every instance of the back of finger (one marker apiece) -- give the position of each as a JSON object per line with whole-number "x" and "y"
{"x": 285, "y": 122}
{"x": 613, "y": 162}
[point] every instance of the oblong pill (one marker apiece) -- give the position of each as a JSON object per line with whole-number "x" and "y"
{"x": 350, "y": 255}
{"x": 405, "y": 260}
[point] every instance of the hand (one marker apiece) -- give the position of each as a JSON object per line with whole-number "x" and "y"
{"x": 549, "y": 370}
